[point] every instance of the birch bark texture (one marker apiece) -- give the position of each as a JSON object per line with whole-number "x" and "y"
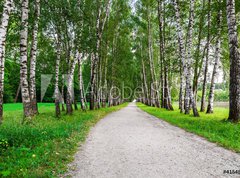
{"x": 167, "y": 93}
{"x": 198, "y": 59}
{"x": 151, "y": 62}
{"x": 33, "y": 58}
{"x": 57, "y": 94}
{"x": 146, "y": 92}
{"x": 7, "y": 8}
{"x": 216, "y": 62}
{"x": 81, "y": 85}
{"x": 24, "y": 60}
{"x": 234, "y": 110}
{"x": 181, "y": 50}
{"x": 105, "y": 82}
{"x": 99, "y": 30}
{"x": 166, "y": 99}
{"x": 186, "y": 61}
{"x": 189, "y": 64}
{"x": 70, "y": 92}
{"x": 62, "y": 91}
{"x": 203, "y": 100}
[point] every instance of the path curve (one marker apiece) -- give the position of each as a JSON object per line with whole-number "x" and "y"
{"x": 132, "y": 143}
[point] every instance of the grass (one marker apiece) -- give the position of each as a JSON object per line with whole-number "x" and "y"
{"x": 19, "y": 107}
{"x": 214, "y": 127}
{"x": 44, "y": 147}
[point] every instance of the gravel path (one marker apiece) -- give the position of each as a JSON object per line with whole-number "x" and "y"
{"x": 131, "y": 143}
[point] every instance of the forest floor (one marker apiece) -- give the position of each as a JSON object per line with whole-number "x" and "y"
{"x": 44, "y": 147}
{"x": 132, "y": 143}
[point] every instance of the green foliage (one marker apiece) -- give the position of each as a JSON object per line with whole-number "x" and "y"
{"x": 214, "y": 127}
{"x": 3, "y": 145}
{"x": 175, "y": 94}
{"x": 11, "y": 81}
{"x": 45, "y": 146}
{"x": 219, "y": 95}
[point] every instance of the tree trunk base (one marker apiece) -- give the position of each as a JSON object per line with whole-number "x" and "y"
{"x": 57, "y": 109}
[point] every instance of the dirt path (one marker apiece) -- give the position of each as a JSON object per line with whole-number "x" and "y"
{"x": 131, "y": 143}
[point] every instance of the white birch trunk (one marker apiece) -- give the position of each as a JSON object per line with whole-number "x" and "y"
{"x": 150, "y": 57}
{"x": 57, "y": 94}
{"x": 23, "y": 61}
{"x": 186, "y": 64}
{"x": 203, "y": 102}
{"x": 216, "y": 63}
{"x": 81, "y": 85}
{"x": 146, "y": 93}
{"x": 33, "y": 57}
{"x": 62, "y": 90}
{"x": 198, "y": 60}
{"x": 99, "y": 28}
{"x": 181, "y": 51}
{"x": 70, "y": 92}
{"x": 189, "y": 64}
{"x": 7, "y": 7}
{"x": 105, "y": 85}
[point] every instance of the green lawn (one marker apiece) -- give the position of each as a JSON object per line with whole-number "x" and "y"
{"x": 44, "y": 147}
{"x": 213, "y": 127}
{"x": 19, "y": 106}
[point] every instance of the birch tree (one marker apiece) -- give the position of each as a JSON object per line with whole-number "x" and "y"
{"x": 161, "y": 55}
{"x": 160, "y": 26}
{"x": 81, "y": 85}
{"x": 7, "y": 7}
{"x": 151, "y": 62}
{"x": 198, "y": 56}
{"x": 186, "y": 62}
{"x": 167, "y": 93}
{"x": 57, "y": 94}
{"x": 105, "y": 82}
{"x": 181, "y": 49}
{"x": 146, "y": 92}
{"x": 207, "y": 59}
{"x": 23, "y": 61}
{"x": 70, "y": 93}
{"x": 189, "y": 63}
{"x": 33, "y": 57}
{"x": 234, "y": 110}
{"x": 216, "y": 62}
{"x": 99, "y": 31}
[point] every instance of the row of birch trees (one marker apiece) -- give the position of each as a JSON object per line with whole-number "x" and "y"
{"x": 100, "y": 51}
{"x": 178, "y": 43}
{"x": 84, "y": 44}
